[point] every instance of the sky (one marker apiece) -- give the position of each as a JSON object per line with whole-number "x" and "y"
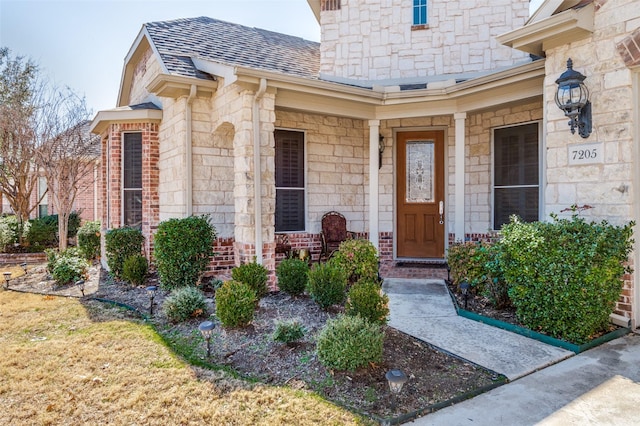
{"x": 82, "y": 43}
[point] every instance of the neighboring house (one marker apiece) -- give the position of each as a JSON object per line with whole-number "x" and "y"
{"x": 466, "y": 129}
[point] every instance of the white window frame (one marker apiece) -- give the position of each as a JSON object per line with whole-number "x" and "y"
{"x": 417, "y": 5}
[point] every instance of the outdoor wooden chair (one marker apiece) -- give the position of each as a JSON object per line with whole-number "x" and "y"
{"x": 334, "y": 231}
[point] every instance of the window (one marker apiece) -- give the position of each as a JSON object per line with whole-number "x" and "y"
{"x": 516, "y": 172}
{"x": 290, "y": 189}
{"x": 132, "y": 180}
{"x": 330, "y": 5}
{"x": 419, "y": 12}
{"x": 43, "y": 204}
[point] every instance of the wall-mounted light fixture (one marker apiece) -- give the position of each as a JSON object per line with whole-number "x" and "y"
{"x": 380, "y": 150}
{"x": 572, "y": 97}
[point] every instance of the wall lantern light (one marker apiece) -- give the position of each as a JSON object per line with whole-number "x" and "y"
{"x": 572, "y": 97}
{"x": 380, "y": 150}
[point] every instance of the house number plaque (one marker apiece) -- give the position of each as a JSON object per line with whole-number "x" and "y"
{"x": 587, "y": 153}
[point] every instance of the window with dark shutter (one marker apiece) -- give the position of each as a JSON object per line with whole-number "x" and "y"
{"x": 290, "y": 185}
{"x": 516, "y": 174}
{"x": 132, "y": 180}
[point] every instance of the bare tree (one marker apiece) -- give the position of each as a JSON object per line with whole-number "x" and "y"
{"x": 67, "y": 155}
{"x": 20, "y": 93}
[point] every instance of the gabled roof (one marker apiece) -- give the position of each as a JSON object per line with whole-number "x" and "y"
{"x": 232, "y": 44}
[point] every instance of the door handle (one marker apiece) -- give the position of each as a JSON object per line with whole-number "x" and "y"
{"x": 441, "y": 212}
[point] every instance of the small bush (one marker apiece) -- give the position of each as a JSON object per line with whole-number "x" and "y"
{"x": 349, "y": 342}
{"x": 235, "y": 304}
{"x": 565, "y": 276}
{"x": 288, "y": 332}
{"x": 135, "y": 269}
{"x": 184, "y": 303}
{"x": 182, "y": 250}
{"x": 366, "y": 299}
{"x": 120, "y": 244}
{"x": 252, "y": 274}
{"x": 327, "y": 284}
{"x": 89, "y": 239}
{"x": 11, "y": 229}
{"x": 69, "y": 266}
{"x": 358, "y": 258}
{"x": 42, "y": 233}
{"x": 52, "y": 256}
{"x": 292, "y": 276}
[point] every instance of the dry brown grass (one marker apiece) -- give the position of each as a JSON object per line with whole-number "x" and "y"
{"x": 67, "y": 362}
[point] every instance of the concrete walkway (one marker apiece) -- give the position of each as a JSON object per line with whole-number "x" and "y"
{"x": 598, "y": 387}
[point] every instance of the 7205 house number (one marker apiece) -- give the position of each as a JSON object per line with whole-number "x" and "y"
{"x": 585, "y": 153}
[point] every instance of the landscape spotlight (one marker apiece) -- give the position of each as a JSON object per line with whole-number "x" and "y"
{"x": 80, "y": 284}
{"x": 7, "y": 277}
{"x": 151, "y": 291}
{"x": 464, "y": 287}
{"x": 206, "y": 328}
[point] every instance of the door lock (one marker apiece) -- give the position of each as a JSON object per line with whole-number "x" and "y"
{"x": 441, "y": 212}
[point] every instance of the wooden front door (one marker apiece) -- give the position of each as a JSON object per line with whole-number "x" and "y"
{"x": 420, "y": 194}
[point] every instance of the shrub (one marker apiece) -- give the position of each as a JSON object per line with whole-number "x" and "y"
{"x": 252, "y": 274}
{"x": 11, "y": 229}
{"x": 235, "y": 304}
{"x": 52, "y": 256}
{"x": 565, "y": 276}
{"x": 69, "y": 266}
{"x": 89, "y": 239}
{"x": 358, "y": 258}
{"x": 349, "y": 342}
{"x": 135, "y": 269}
{"x": 365, "y": 298}
{"x": 327, "y": 284}
{"x": 292, "y": 276}
{"x": 182, "y": 250}
{"x": 184, "y": 303}
{"x": 288, "y": 332}
{"x": 120, "y": 244}
{"x": 42, "y": 233}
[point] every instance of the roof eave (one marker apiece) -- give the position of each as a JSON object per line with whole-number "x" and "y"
{"x": 110, "y": 116}
{"x": 315, "y": 7}
{"x": 564, "y": 28}
{"x": 174, "y": 86}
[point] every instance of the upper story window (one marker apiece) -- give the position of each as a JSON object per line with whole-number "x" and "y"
{"x": 290, "y": 181}
{"x": 132, "y": 180}
{"x": 420, "y": 12}
{"x": 330, "y": 5}
{"x": 516, "y": 174}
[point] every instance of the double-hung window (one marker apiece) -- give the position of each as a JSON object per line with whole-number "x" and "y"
{"x": 132, "y": 180}
{"x": 420, "y": 12}
{"x": 43, "y": 204}
{"x": 516, "y": 179}
{"x": 290, "y": 182}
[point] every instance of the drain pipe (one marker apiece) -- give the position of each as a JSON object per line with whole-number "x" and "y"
{"x": 257, "y": 170}
{"x": 189, "y": 155}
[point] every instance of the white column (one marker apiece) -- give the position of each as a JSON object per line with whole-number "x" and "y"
{"x": 460, "y": 118}
{"x": 374, "y": 132}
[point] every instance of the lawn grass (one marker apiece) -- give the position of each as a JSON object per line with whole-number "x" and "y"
{"x": 69, "y": 362}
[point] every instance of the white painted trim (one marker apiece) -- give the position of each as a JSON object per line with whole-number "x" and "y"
{"x": 257, "y": 170}
{"x": 635, "y": 86}
{"x": 459, "y": 221}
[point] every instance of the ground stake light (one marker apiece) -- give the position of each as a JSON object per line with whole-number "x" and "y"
{"x": 24, "y": 267}
{"x": 464, "y": 287}
{"x": 151, "y": 291}
{"x": 396, "y": 379}
{"x": 7, "y": 277}
{"x": 206, "y": 328}
{"x": 80, "y": 284}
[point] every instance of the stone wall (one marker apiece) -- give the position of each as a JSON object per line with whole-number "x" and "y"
{"x": 374, "y": 40}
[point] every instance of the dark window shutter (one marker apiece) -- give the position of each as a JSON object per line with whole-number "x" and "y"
{"x": 289, "y": 177}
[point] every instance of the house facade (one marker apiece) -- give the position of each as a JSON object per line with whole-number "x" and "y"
{"x": 422, "y": 122}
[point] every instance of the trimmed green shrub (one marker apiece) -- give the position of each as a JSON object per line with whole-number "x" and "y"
{"x": 349, "y": 342}
{"x": 135, "y": 269}
{"x": 182, "y": 250}
{"x": 358, "y": 258}
{"x": 235, "y": 304}
{"x": 52, "y": 256}
{"x": 120, "y": 244}
{"x": 327, "y": 284}
{"x": 365, "y": 298}
{"x": 288, "y": 332}
{"x": 72, "y": 227}
{"x": 42, "y": 233}
{"x": 565, "y": 276}
{"x": 10, "y": 230}
{"x": 292, "y": 276}
{"x": 184, "y": 303}
{"x": 69, "y": 266}
{"x": 89, "y": 239}
{"x": 477, "y": 264}
{"x": 252, "y": 274}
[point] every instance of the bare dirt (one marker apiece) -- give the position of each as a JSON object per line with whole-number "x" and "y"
{"x": 435, "y": 377}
